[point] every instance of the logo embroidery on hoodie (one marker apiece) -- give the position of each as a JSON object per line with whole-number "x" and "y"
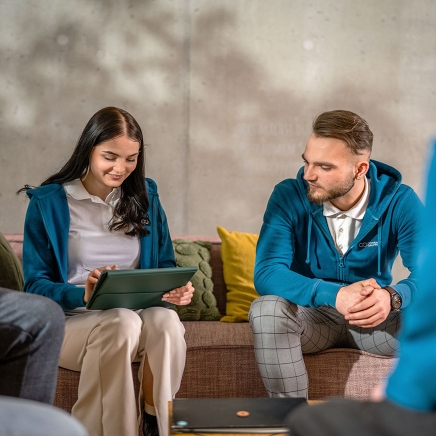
{"x": 368, "y": 244}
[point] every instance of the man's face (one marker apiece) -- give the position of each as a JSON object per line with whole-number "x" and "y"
{"x": 329, "y": 169}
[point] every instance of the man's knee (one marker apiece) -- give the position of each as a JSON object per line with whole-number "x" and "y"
{"x": 48, "y": 313}
{"x": 268, "y": 305}
{"x": 269, "y": 310}
{"x": 36, "y": 315}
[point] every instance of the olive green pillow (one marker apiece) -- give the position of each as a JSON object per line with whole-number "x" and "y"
{"x": 11, "y": 271}
{"x": 203, "y": 305}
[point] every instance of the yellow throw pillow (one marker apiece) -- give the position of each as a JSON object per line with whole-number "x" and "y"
{"x": 238, "y": 253}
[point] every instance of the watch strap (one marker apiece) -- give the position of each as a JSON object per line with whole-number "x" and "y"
{"x": 393, "y": 293}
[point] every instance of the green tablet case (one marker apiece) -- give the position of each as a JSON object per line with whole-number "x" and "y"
{"x": 137, "y": 288}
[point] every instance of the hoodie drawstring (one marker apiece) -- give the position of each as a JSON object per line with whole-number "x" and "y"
{"x": 309, "y": 234}
{"x": 379, "y": 234}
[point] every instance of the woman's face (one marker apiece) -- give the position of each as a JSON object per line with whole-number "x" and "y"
{"x": 110, "y": 163}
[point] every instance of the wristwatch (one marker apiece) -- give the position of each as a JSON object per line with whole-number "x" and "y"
{"x": 396, "y": 300}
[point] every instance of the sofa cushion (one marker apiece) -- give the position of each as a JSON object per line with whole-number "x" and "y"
{"x": 11, "y": 276}
{"x": 345, "y": 372}
{"x": 203, "y": 306}
{"x": 220, "y": 362}
{"x": 238, "y": 252}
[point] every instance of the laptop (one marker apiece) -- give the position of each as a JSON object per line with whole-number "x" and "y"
{"x": 137, "y": 288}
{"x": 232, "y": 415}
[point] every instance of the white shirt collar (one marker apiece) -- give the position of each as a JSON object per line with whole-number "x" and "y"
{"x": 356, "y": 212}
{"x": 76, "y": 190}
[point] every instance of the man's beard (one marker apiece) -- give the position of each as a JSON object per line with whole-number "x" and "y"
{"x": 332, "y": 194}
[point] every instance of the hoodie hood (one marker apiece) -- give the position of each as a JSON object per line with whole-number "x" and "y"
{"x": 385, "y": 181}
{"x": 42, "y": 191}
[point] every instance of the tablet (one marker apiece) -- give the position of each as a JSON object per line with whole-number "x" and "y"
{"x": 137, "y": 288}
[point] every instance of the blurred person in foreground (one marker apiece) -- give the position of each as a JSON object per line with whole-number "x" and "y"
{"x": 31, "y": 334}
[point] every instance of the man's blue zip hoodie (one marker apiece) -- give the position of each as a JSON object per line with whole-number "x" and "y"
{"x": 45, "y": 247}
{"x": 296, "y": 257}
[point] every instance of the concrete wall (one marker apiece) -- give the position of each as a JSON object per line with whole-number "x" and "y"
{"x": 225, "y": 91}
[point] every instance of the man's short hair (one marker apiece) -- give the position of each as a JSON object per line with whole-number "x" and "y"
{"x": 345, "y": 126}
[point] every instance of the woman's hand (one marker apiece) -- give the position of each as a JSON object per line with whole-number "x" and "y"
{"x": 92, "y": 280}
{"x": 180, "y": 296}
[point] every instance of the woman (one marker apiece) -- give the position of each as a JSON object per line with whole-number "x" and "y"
{"x": 97, "y": 213}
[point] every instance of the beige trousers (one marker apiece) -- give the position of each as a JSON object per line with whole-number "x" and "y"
{"x": 102, "y": 345}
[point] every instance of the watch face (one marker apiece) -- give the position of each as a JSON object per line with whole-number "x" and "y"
{"x": 396, "y": 302}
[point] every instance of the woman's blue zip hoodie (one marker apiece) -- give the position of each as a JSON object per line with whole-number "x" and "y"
{"x": 296, "y": 257}
{"x": 45, "y": 247}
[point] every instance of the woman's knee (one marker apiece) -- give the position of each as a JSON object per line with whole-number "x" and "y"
{"x": 123, "y": 323}
{"x": 163, "y": 321}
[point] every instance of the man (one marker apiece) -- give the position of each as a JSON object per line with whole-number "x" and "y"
{"x": 31, "y": 335}
{"x": 409, "y": 406}
{"x": 325, "y": 255}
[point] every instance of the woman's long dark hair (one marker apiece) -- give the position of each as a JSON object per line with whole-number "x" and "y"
{"x": 131, "y": 211}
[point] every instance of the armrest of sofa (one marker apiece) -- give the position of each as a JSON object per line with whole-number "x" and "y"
{"x": 15, "y": 240}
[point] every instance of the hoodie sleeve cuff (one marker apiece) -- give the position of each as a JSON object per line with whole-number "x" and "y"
{"x": 325, "y": 293}
{"x": 73, "y": 297}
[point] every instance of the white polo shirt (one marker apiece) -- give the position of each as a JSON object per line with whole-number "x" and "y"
{"x": 90, "y": 242}
{"x": 345, "y": 225}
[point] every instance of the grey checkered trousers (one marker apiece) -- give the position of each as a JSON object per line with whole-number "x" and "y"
{"x": 284, "y": 331}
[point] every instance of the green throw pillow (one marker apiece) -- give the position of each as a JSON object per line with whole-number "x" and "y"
{"x": 11, "y": 271}
{"x": 203, "y": 304}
